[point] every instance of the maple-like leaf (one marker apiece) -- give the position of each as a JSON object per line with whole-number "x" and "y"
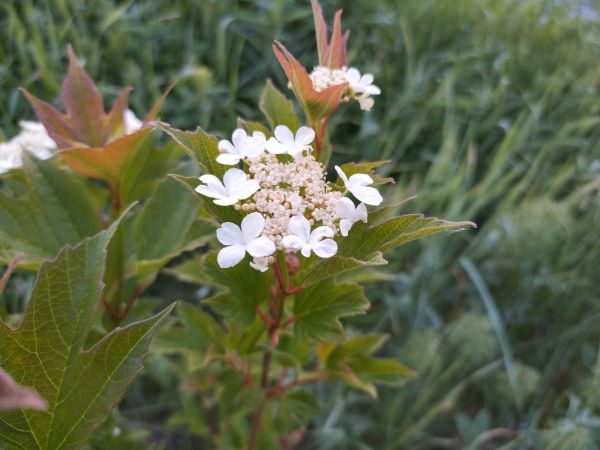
{"x": 85, "y": 122}
{"x": 316, "y": 104}
{"x": 332, "y": 53}
{"x": 48, "y": 352}
{"x": 14, "y": 396}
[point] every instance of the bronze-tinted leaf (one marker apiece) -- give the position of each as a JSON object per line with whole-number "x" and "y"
{"x": 331, "y": 53}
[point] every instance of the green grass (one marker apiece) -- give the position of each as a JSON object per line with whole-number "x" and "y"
{"x": 490, "y": 112}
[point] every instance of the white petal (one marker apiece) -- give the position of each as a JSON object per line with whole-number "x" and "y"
{"x": 208, "y": 179}
{"x": 326, "y": 248}
{"x": 293, "y": 242}
{"x": 284, "y": 134}
{"x": 359, "y": 179}
{"x": 259, "y": 267}
{"x": 366, "y": 103}
{"x": 245, "y": 189}
{"x": 261, "y": 246}
{"x": 226, "y": 201}
{"x": 255, "y": 145}
{"x": 345, "y": 208}
{"x": 239, "y": 137}
{"x": 226, "y": 146}
{"x": 304, "y": 136}
{"x": 300, "y": 226}
{"x": 361, "y": 213}
{"x": 230, "y": 256}
{"x": 345, "y": 226}
{"x": 275, "y": 147}
{"x": 372, "y": 90}
{"x": 306, "y": 250}
{"x": 252, "y": 226}
{"x": 342, "y": 175}
{"x": 228, "y": 159}
{"x": 353, "y": 76}
{"x": 366, "y": 79}
{"x": 368, "y": 195}
{"x": 319, "y": 233}
{"x": 294, "y": 149}
{"x": 234, "y": 177}
{"x": 213, "y": 187}
{"x": 230, "y": 234}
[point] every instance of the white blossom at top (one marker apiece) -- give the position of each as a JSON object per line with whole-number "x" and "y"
{"x": 358, "y": 185}
{"x": 33, "y": 138}
{"x": 361, "y": 88}
{"x": 301, "y": 238}
{"x": 132, "y": 123}
{"x": 349, "y": 214}
{"x": 241, "y": 240}
{"x": 235, "y": 187}
{"x": 241, "y": 146}
{"x": 285, "y": 141}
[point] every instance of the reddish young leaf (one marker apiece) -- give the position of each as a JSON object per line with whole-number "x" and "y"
{"x": 14, "y": 396}
{"x": 85, "y": 122}
{"x": 316, "y": 104}
{"x": 153, "y": 113}
{"x": 331, "y": 53}
{"x": 104, "y": 163}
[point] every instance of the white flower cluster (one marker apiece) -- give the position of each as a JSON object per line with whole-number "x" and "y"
{"x": 34, "y": 139}
{"x": 361, "y": 88}
{"x": 290, "y": 205}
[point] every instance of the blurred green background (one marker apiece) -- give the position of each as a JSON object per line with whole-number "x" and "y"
{"x": 490, "y": 112}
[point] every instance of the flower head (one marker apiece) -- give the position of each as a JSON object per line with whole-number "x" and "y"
{"x": 285, "y": 141}
{"x": 240, "y": 241}
{"x": 349, "y": 214}
{"x": 33, "y": 138}
{"x": 360, "y": 88}
{"x": 358, "y": 185}
{"x": 235, "y": 187}
{"x": 241, "y": 147}
{"x": 307, "y": 241}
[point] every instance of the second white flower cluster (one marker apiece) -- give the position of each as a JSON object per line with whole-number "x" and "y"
{"x": 287, "y": 203}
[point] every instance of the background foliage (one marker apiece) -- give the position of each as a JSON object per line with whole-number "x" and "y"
{"x": 490, "y": 111}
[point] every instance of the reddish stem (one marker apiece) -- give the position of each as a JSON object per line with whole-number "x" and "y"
{"x": 9, "y": 271}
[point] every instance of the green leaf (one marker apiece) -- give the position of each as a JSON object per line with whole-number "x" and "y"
{"x": 317, "y": 309}
{"x": 251, "y": 126}
{"x": 55, "y": 211}
{"x": 364, "y": 244}
{"x": 350, "y": 361}
{"x": 241, "y": 288}
{"x": 167, "y": 225}
{"x": 46, "y": 352}
{"x": 202, "y": 148}
{"x": 292, "y": 410}
{"x": 277, "y": 108}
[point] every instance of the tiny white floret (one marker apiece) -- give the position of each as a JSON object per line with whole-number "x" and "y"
{"x": 241, "y": 146}
{"x": 235, "y": 187}
{"x": 285, "y": 141}
{"x": 240, "y": 241}
{"x": 349, "y": 214}
{"x": 260, "y": 263}
{"x": 301, "y": 238}
{"x": 358, "y": 185}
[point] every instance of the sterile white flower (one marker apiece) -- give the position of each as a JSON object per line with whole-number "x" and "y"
{"x": 132, "y": 123}
{"x": 33, "y": 138}
{"x": 285, "y": 141}
{"x": 358, "y": 185}
{"x": 235, "y": 187}
{"x": 301, "y": 238}
{"x": 349, "y": 214}
{"x": 241, "y": 240}
{"x": 361, "y": 84}
{"x": 242, "y": 146}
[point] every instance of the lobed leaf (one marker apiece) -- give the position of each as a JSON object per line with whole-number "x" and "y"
{"x": 47, "y": 352}
{"x": 318, "y": 309}
{"x": 55, "y": 211}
